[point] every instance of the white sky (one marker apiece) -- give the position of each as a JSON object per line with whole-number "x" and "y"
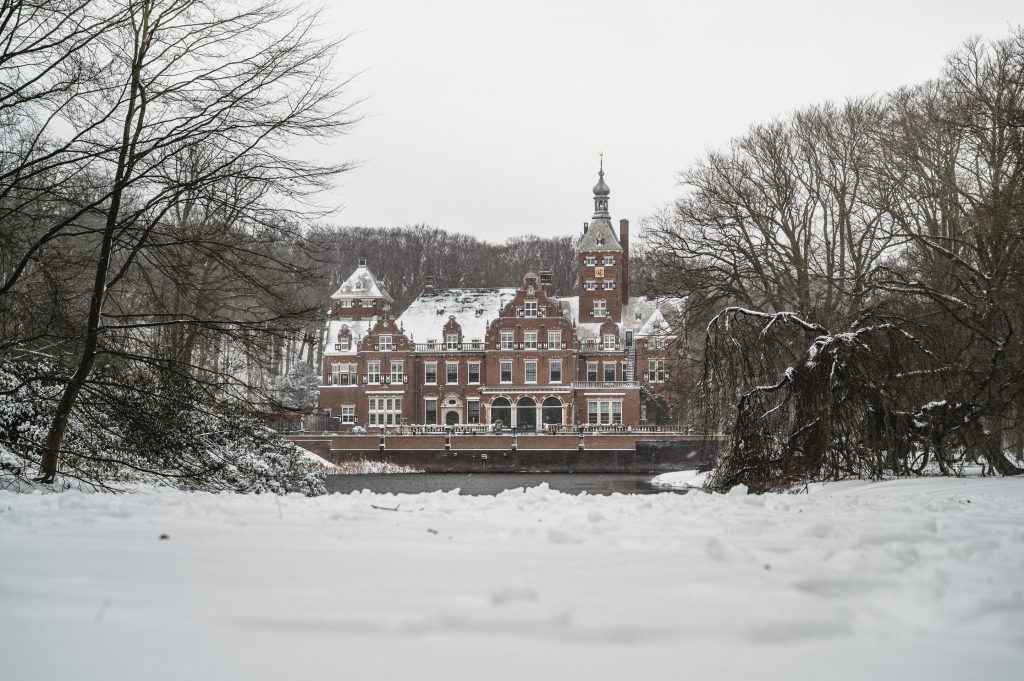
{"x": 486, "y": 117}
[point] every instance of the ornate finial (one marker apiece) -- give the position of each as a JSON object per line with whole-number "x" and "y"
{"x": 601, "y": 192}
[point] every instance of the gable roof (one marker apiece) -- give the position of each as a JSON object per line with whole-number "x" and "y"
{"x": 362, "y": 284}
{"x": 600, "y": 236}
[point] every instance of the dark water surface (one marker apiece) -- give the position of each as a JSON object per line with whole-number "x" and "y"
{"x": 495, "y": 483}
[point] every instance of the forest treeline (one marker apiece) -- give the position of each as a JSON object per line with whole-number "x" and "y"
{"x": 855, "y": 274}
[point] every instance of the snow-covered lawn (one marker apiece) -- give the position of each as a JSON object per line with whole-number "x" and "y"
{"x": 918, "y": 579}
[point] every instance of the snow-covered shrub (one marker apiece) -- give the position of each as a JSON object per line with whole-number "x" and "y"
{"x": 141, "y": 428}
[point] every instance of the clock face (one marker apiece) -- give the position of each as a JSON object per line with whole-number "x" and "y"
{"x": 598, "y": 271}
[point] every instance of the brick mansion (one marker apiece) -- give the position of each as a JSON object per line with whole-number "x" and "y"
{"x": 522, "y": 357}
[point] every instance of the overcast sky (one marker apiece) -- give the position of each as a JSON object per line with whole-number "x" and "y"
{"x": 487, "y": 117}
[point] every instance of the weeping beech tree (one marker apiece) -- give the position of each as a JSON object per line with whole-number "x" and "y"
{"x": 860, "y": 270}
{"x": 818, "y": 406}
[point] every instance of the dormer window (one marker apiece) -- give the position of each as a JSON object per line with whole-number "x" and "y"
{"x": 345, "y": 343}
{"x": 530, "y": 307}
{"x": 600, "y": 239}
{"x": 451, "y": 341}
{"x": 440, "y": 311}
{"x": 529, "y": 289}
{"x": 386, "y": 343}
{"x": 479, "y": 312}
{"x": 609, "y": 341}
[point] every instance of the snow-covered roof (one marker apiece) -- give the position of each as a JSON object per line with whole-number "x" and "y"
{"x": 358, "y": 329}
{"x": 600, "y": 236}
{"x": 642, "y": 315}
{"x": 362, "y": 284}
{"x": 472, "y": 308}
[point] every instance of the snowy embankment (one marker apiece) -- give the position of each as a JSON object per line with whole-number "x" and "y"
{"x": 681, "y": 480}
{"x": 910, "y": 579}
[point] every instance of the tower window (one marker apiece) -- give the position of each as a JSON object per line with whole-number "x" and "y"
{"x": 609, "y": 260}
{"x": 590, "y": 260}
{"x": 591, "y": 285}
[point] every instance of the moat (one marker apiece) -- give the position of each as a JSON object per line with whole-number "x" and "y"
{"x": 495, "y": 483}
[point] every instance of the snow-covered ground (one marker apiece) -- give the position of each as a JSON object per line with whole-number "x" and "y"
{"x": 917, "y": 579}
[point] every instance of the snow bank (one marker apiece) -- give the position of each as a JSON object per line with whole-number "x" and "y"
{"x": 681, "y": 480}
{"x": 910, "y": 579}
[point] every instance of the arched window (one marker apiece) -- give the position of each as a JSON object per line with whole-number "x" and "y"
{"x": 551, "y": 412}
{"x": 501, "y": 410}
{"x": 526, "y": 414}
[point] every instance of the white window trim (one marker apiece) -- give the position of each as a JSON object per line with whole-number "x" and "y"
{"x": 501, "y": 364}
{"x": 526, "y": 372}
{"x": 426, "y": 380}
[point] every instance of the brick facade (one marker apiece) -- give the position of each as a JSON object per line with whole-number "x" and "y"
{"x": 522, "y": 357}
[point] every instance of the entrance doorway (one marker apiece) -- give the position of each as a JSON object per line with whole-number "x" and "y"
{"x": 551, "y": 412}
{"x": 526, "y": 414}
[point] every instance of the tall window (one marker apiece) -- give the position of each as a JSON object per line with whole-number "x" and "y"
{"x": 530, "y": 307}
{"x": 451, "y": 340}
{"x": 609, "y": 371}
{"x": 451, "y": 371}
{"x": 555, "y": 371}
{"x": 506, "y": 371}
{"x": 530, "y": 340}
{"x": 473, "y": 411}
{"x": 385, "y": 411}
{"x": 600, "y": 308}
{"x": 386, "y": 343}
{"x": 474, "y": 372}
{"x": 430, "y": 411}
{"x": 506, "y": 340}
{"x": 555, "y": 340}
{"x": 373, "y": 372}
{"x": 343, "y": 374}
{"x": 348, "y": 413}
{"x": 531, "y": 371}
{"x": 430, "y": 373}
{"x": 592, "y": 371}
{"x": 604, "y": 412}
{"x": 609, "y": 341}
{"x": 397, "y": 371}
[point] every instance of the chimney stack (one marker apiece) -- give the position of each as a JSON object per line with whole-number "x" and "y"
{"x": 428, "y": 286}
{"x": 547, "y": 282}
{"x": 624, "y": 240}
{"x": 585, "y": 226}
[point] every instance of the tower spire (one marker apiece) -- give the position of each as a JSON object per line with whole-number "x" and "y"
{"x": 601, "y": 192}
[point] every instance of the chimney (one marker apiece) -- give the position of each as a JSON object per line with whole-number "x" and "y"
{"x": 362, "y": 262}
{"x": 624, "y": 240}
{"x": 547, "y": 282}
{"x": 585, "y": 226}
{"x": 428, "y": 286}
